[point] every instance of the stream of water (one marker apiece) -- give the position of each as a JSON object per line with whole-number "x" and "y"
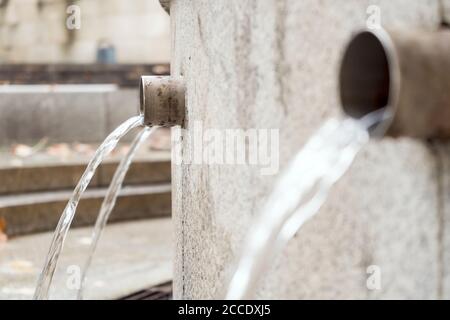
{"x": 110, "y": 201}
{"x": 57, "y": 244}
{"x": 299, "y": 194}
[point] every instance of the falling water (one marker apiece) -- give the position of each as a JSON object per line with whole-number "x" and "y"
{"x": 110, "y": 201}
{"x": 299, "y": 194}
{"x": 46, "y": 276}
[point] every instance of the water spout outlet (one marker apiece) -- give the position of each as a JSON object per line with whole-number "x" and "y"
{"x": 162, "y": 101}
{"x": 406, "y": 73}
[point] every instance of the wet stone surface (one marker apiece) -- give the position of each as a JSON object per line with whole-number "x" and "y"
{"x": 130, "y": 257}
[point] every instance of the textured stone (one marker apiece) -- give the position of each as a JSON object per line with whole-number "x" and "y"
{"x": 38, "y": 178}
{"x": 443, "y": 165}
{"x": 28, "y": 117}
{"x": 65, "y": 116}
{"x": 142, "y": 171}
{"x": 443, "y": 153}
{"x": 273, "y": 64}
{"x": 48, "y": 177}
{"x": 38, "y": 212}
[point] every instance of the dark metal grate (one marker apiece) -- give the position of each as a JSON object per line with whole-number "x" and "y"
{"x": 161, "y": 292}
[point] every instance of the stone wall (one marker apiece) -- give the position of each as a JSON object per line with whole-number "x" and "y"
{"x": 86, "y": 116}
{"x": 273, "y": 64}
{"x": 34, "y": 31}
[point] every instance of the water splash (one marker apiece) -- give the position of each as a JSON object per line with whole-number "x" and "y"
{"x": 299, "y": 194}
{"x": 46, "y": 276}
{"x": 110, "y": 201}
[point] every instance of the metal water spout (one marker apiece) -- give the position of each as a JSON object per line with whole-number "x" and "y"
{"x": 405, "y": 71}
{"x": 162, "y": 101}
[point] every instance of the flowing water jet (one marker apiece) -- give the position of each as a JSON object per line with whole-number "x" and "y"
{"x": 162, "y": 103}
{"x": 110, "y": 201}
{"x": 299, "y": 194}
{"x": 382, "y": 75}
{"x": 57, "y": 244}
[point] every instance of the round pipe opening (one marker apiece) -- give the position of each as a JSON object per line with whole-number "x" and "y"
{"x": 368, "y": 76}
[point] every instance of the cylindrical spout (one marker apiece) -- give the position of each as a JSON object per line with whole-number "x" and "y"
{"x": 162, "y": 101}
{"x": 407, "y": 72}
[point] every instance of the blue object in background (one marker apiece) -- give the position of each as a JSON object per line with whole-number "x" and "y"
{"x": 106, "y": 53}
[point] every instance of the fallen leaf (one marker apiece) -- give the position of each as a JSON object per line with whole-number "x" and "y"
{"x": 83, "y": 148}
{"x": 2, "y": 225}
{"x": 22, "y": 150}
{"x": 60, "y": 150}
{"x": 3, "y": 236}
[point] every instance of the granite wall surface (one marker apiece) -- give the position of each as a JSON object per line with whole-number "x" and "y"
{"x": 273, "y": 64}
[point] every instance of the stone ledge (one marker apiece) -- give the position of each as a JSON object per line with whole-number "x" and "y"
{"x": 38, "y": 212}
{"x": 61, "y": 116}
{"x": 50, "y": 176}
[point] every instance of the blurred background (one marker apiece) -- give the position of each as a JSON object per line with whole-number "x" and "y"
{"x": 35, "y": 31}
{"x": 69, "y": 73}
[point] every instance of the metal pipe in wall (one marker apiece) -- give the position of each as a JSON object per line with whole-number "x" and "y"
{"x": 405, "y": 71}
{"x": 162, "y": 101}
